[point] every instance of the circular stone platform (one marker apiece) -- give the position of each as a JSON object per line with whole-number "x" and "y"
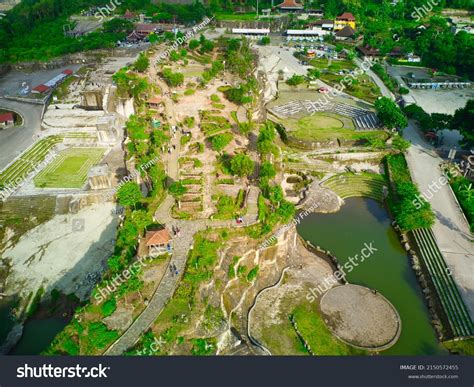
{"x": 360, "y": 317}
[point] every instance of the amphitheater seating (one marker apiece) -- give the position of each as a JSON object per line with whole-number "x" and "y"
{"x": 350, "y": 185}
{"x": 363, "y": 119}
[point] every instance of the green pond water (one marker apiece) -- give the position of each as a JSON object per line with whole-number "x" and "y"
{"x": 387, "y": 270}
{"x": 37, "y": 335}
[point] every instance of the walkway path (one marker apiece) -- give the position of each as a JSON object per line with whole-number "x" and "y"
{"x": 450, "y": 229}
{"x": 383, "y": 89}
{"x": 182, "y": 245}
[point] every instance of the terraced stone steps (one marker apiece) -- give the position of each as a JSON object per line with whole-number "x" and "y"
{"x": 448, "y": 293}
{"x": 346, "y": 186}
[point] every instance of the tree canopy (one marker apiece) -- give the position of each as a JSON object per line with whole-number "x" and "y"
{"x": 390, "y": 114}
{"x": 241, "y": 165}
{"x": 129, "y": 194}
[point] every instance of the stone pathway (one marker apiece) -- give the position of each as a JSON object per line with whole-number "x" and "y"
{"x": 182, "y": 244}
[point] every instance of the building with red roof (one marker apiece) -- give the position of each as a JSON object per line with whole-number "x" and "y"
{"x": 41, "y": 89}
{"x": 290, "y": 6}
{"x": 7, "y": 119}
{"x": 346, "y": 19}
{"x": 158, "y": 242}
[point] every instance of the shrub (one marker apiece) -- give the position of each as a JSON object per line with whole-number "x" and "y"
{"x": 108, "y": 307}
{"x": 295, "y": 80}
{"x": 252, "y": 274}
{"x": 220, "y": 141}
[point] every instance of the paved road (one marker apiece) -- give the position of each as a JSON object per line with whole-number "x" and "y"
{"x": 450, "y": 229}
{"x": 15, "y": 140}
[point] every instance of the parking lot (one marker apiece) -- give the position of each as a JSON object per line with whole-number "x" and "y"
{"x": 432, "y": 101}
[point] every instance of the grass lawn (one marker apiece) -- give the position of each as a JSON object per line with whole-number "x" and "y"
{"x": 323, "y": 126}
{"x": 335, "y": 65}
{"x": 235, "y": 16}
{"x": 317, "y": 335}
{"x": 362, "y": 87}
{"x": 464, "y": 347}
{"x": 69, "y": 169}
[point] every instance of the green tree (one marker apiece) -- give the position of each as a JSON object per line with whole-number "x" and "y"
{"x": 267, "y": 170}
{"x": 241, "y": 165}
{"x": 390, "y": 114}
{"x": 142, "y": 63}
{"x": 174, "y": 56}
{"x": 129, "y": 194}
{"x": 177, "y": 189}
{"x": 193, "y": 44}
{"x": 173, "y": 79}
{"x": 266, "y": 138}
{"x": 463, "y": 121}
{"x": 295, "y": 80}
{"x": 117, "y": 25}
{"x": 108, "y": 307}
{"x": 400, "y": 144}
{"x": 220, "y": 141}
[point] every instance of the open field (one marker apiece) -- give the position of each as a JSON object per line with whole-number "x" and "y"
{"x": 70, "y": 169}
{"x": 326, "y": 127}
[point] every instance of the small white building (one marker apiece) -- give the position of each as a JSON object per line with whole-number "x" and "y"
{"x": 251, "y": 32}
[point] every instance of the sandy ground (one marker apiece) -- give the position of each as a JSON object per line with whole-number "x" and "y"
{"x": 360, "y": 317}
{"x": 66, "y": 253}
{"x": 270, "y": 315}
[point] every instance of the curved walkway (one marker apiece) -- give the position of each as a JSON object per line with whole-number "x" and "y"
{"x": 182, "y": 244}
{"x": 15, "y": 140}
{"x": 168, "y": 284}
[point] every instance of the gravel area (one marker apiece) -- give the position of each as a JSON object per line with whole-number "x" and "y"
{"x": 360, "y": 317}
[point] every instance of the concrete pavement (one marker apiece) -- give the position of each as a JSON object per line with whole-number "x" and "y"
{"x": 450, "y": 229}
{"x": 14, "y": 141}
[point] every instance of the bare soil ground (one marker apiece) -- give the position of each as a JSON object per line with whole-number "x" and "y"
{"x": 361, "y": 317}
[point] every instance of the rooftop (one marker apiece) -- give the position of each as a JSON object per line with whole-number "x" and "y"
{"x": 154, "y": 100}
{"x": 41, "y": 88}
{"x": 346, "y": 16}
{"x": 5, "y": 117}
{"x": 160, "y": 237}
{"x": 290, "y": 4}
{"x": 346, "y": 32}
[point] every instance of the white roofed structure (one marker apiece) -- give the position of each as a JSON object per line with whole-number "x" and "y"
{"x": 251, "y": 31}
